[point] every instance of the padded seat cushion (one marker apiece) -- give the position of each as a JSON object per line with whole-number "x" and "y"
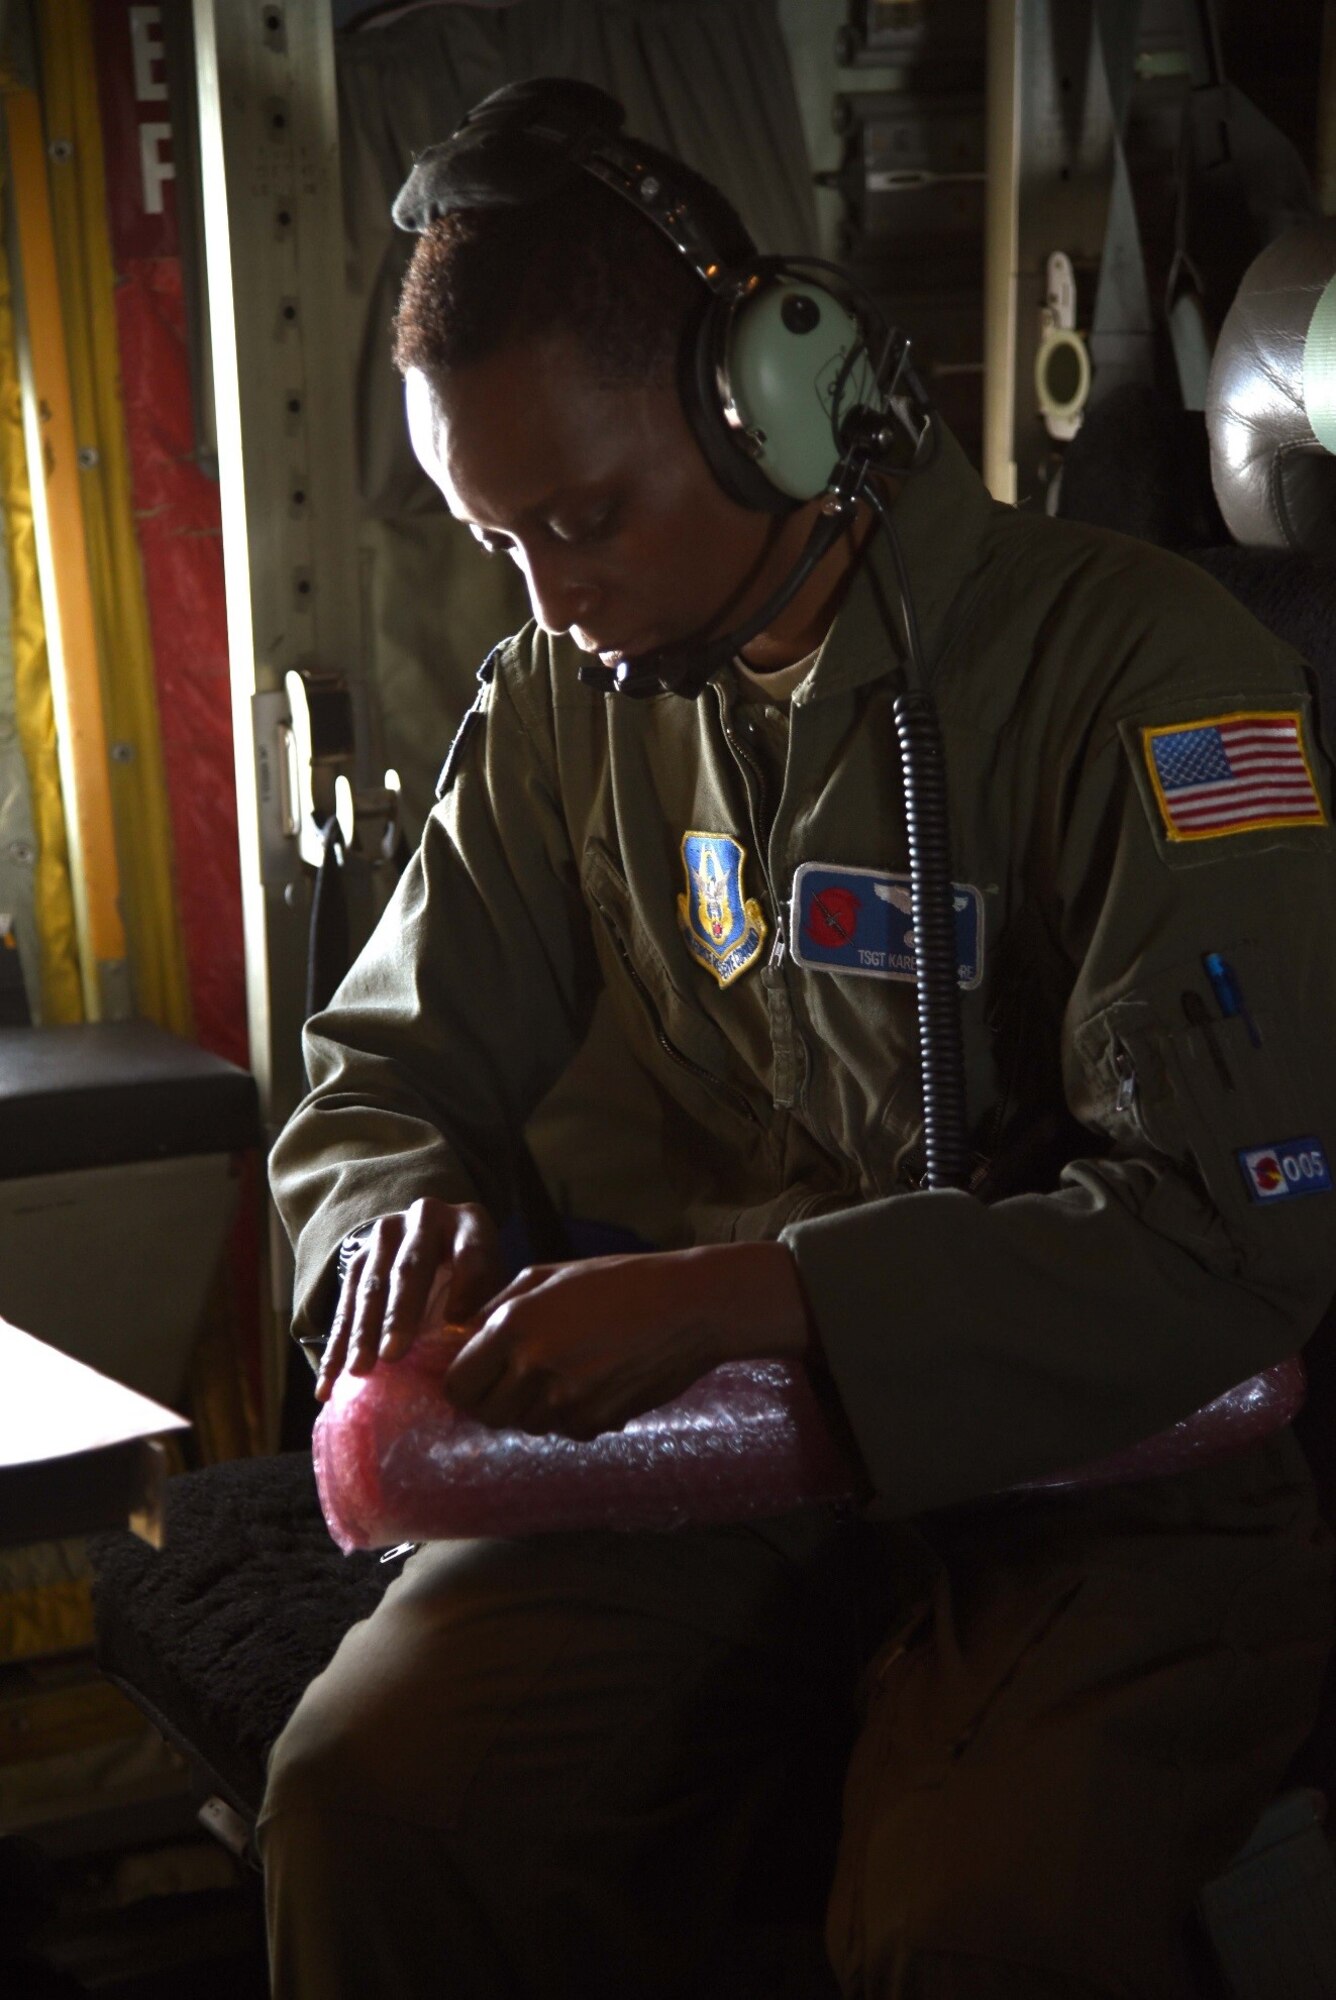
{"x": 102, "y": 1093}
{"x": 217, "y": 1634}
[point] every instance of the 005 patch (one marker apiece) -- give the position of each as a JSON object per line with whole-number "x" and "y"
{"x": 1235, "y": 773}
{"x": 1285, "y": 1168}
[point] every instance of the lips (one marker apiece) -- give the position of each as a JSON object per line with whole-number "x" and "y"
{"x": 611, "y": 656}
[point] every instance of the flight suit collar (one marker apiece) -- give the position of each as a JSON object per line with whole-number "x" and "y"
{"x": 939, "y": 519}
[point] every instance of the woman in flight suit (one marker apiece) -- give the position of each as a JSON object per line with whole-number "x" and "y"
{"x": 571, "y": 1763}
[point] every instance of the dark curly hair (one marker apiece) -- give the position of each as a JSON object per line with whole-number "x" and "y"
{"x": 580, "y": 259}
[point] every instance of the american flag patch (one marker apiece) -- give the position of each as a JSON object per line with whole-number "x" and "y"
{"x": 1231, "y": 774}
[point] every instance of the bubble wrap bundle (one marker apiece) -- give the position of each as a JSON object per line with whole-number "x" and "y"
{"x": 394, "y": 1461}
{"x": 1243, "y": 1416}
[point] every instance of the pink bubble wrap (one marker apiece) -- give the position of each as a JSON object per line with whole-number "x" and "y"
{"x": 394, "y": 1462}
{"x": 1243, "y": 1416}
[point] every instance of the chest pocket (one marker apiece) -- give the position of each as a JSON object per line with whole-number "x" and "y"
{"x": 1218, "y": 1091}
{"x": 680, "y": 1030}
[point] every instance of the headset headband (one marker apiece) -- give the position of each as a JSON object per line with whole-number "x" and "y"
{"x": 528, "y": 140}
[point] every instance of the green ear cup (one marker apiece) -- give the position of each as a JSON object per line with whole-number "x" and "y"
{"x": 789, "y": 381}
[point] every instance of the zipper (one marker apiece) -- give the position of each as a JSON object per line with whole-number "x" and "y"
{"x": 753, "y": 777}
{"x": 1127, "y": 1080}
{"x": 796, "y": 1059}
{"x": 1125, "y": 1101}
{"x": 717, "y": 1084}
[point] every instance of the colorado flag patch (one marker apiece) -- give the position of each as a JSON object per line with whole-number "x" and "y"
{"x": 1232, "y": 774}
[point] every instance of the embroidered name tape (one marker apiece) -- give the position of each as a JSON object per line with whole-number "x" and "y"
{"x": 724, "y": 928}
{"x": 1232, "y": 774}
{"x": 1285, "y": 1168}
{"x": 859, "y": 920}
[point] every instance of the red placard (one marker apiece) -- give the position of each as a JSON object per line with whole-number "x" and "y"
{"x": 136, "y": 130}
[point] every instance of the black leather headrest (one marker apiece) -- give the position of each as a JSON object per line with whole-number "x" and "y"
{"x": 1271, "y": 399}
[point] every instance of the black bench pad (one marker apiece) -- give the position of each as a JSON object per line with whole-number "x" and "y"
{"x": 102, "y": 1093}
{"x": 217, "y": 1634}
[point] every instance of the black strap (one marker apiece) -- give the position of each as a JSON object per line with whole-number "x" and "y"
{"x": 328, "y": 943}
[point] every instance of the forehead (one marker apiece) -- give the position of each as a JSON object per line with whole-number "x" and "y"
{"x": 505, "y": 436}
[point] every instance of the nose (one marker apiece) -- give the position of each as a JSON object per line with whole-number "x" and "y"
{"x": 558, "y": 597}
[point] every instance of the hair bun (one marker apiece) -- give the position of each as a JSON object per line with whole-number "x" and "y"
{"x": 518, "y": 144}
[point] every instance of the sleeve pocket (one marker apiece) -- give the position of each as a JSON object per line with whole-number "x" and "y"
{"x": 1213, "y": 1093}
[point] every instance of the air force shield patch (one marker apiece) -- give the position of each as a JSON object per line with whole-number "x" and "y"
{"x": 724, "y": 930}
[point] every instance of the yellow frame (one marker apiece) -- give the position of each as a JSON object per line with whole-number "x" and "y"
{"x": 67, "y": 592}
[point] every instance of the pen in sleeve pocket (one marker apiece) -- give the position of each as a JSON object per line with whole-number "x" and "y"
{"x": 1229, "y": 994}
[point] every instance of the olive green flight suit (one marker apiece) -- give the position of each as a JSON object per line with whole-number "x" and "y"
{"x": 1083, "y": 1701}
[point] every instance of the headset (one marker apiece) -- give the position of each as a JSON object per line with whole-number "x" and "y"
{"x": 792, "y": 382}
{"x": 795, "y": 388}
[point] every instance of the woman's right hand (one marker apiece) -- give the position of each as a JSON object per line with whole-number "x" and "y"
{"x": 421, "y": 1266}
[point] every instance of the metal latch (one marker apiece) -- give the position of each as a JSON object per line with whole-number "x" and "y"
{"x": 319, "y": 758}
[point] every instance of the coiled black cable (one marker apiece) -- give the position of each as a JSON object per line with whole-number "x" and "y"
{"x": 932, "y": 902}
{"x": 941, "y": 1045}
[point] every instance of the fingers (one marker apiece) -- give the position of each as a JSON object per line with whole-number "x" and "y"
{"x": 432, "y": 1262}
{"x": 336, "y": 1347}
{"x": 507, "y": 1392}
{"x": 579, "y": 1349}
{"x": 475, "y": 1264}
{"x": 423, "y": 1255}
{"x": 500, "y": 1384}
{"x": 497, "y": 1377}
{"x": 480, "y": 1366}
{"x": 356, "y": 1332}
